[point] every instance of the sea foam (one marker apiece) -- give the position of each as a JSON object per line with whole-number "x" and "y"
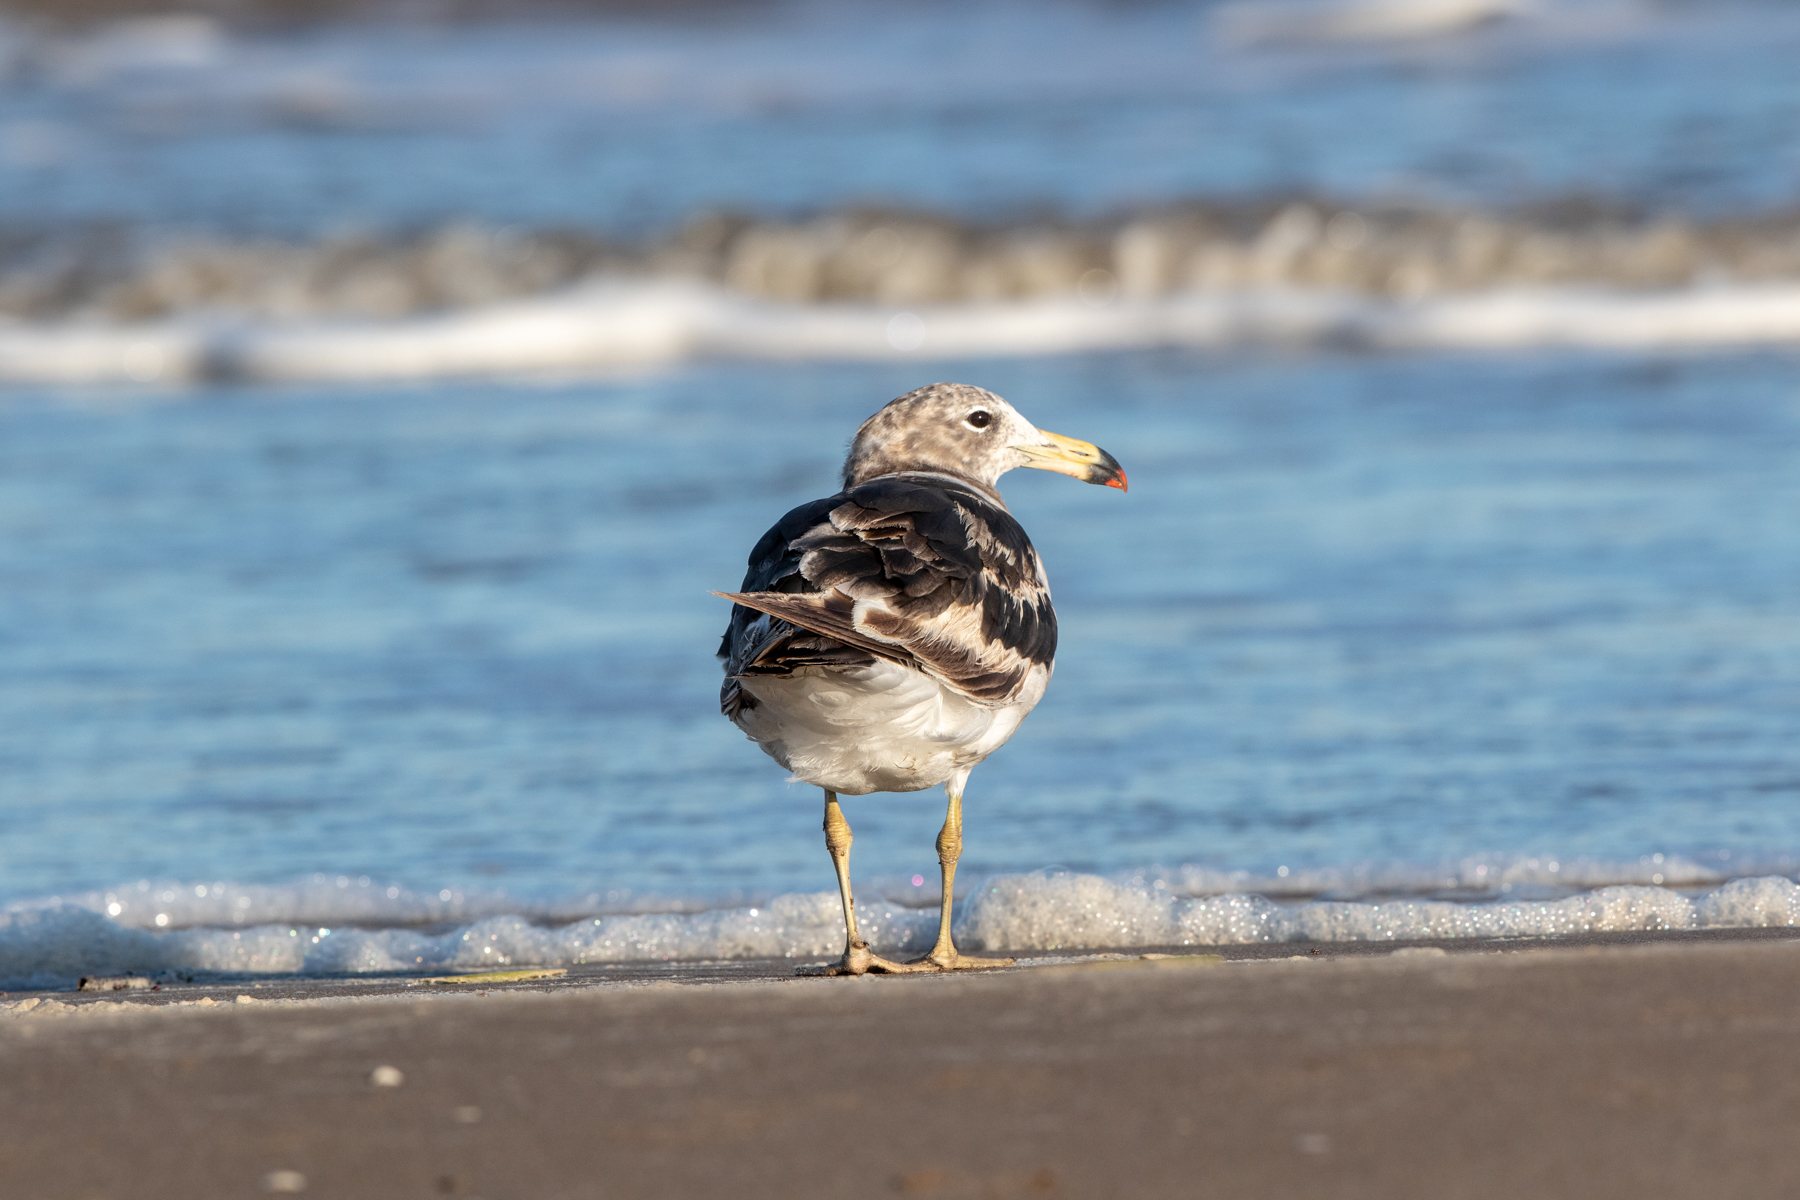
{"x": 82, "y": 306}
{"x": 610, "y": 328}
{"x": 331, "y": 926}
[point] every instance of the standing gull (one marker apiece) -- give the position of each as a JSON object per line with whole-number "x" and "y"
{"x": 890, "y": 637}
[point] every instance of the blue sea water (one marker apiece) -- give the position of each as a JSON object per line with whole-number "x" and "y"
{"x": 1369, "y": 629}
{"x": 1352, "y": 609}
{"x": 987, "y": 109}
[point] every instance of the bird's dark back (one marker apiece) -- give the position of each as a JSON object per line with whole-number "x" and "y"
{"x": 920, "y": 543}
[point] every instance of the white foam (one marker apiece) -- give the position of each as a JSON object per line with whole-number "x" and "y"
{"x": 1083, "y": 911}
{"x": 1426, "y": 24}
{"x": 334, "y": 926}
{"x": 343, "y": 900}
{"x": 1477, "y": 877}
{"x": 52, "y": 946}
{"x": 1365, "y": 20}
{"x": 615, "y": 326}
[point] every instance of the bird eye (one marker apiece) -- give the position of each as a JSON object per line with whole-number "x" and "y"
{"x": 980, "y": 419}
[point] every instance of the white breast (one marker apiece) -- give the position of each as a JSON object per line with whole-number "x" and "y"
{"x": 879, "y": 728}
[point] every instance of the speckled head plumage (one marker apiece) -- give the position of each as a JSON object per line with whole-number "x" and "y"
{"x": 970, "y": 433}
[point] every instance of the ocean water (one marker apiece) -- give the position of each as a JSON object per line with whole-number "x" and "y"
{"x": 182, "y": 202}
{"x": 992, "y": 108}
{"x": 336, "y": 642}
{"x": 1477, "y": 628}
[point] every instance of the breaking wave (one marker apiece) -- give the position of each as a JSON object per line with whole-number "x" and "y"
{"x": 612, "y": 328}
{"x": 905, "y": 259}
{"x": 467, "y": 301}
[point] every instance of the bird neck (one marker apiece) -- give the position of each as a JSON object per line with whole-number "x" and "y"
{"x": 942, "y": 478}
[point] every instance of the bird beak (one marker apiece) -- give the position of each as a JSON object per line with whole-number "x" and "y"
{"x": 1071, "y": 456}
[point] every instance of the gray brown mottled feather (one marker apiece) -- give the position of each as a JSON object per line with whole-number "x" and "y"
{"x": 917, "y": 568}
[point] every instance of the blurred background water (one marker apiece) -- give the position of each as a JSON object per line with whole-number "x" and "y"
{"x": 1478, "y": 586}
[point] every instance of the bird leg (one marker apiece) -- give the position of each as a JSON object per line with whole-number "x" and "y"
{"x": 944, "y": 956}
{"x": 858, "y": 958}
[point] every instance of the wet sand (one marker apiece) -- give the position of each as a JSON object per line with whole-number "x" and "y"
{"x": 1630, "y": 1067}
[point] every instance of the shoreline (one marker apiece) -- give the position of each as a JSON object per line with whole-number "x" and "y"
{"x": 329, "y": 989}
{"x": 1615, "y": 1066}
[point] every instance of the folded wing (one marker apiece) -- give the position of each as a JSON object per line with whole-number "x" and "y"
{"x": 917, "y": 570}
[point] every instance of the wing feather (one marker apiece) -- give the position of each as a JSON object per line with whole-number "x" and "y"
{"x": 919, "y": 570}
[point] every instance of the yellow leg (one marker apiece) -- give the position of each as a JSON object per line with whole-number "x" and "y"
{"x": 858, "y": 958}
{"x": 944, "y": 954}
{"x": 837, "y": 841}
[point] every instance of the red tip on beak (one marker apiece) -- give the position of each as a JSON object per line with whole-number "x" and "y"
{"x": 1118, "y": 483}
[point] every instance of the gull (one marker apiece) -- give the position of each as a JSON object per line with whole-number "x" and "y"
{"x": 892, "y": 636}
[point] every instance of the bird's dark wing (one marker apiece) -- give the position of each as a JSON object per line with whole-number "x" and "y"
{"x": 914, "y": 569}
{"x": 756, "y": 643}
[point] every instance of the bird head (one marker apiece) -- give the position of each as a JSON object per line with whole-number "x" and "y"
{"x": 970, "y": 433}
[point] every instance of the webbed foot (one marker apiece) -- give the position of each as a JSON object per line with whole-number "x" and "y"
{"x": 955, "y": 960}
{"x": 860, "y": 960}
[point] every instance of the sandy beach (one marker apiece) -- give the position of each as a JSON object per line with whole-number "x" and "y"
{"x": 1645, "y": 1066}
